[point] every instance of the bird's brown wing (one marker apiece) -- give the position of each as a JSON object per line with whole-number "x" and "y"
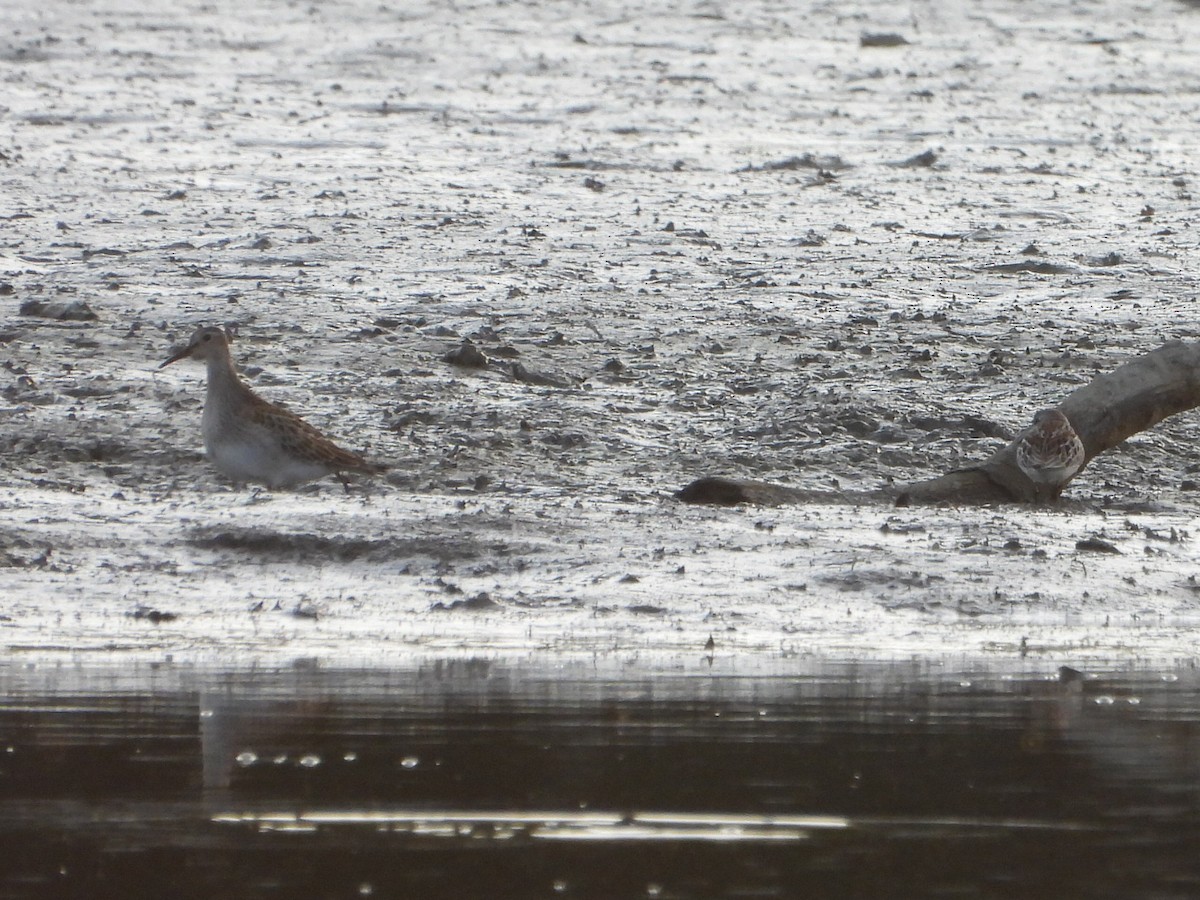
{"x": 303, "y": 440}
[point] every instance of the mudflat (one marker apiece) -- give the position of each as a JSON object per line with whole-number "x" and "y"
{"x": 839, "y": 247}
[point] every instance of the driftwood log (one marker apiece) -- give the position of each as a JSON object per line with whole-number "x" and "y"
{"x": 1111, "y": 408}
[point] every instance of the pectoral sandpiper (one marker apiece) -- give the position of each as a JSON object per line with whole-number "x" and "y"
{"x": 1050, "y": 452}
{"x": 251, "y": 440}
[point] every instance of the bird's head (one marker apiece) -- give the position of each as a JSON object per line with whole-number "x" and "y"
{"x": 206, "y": 342}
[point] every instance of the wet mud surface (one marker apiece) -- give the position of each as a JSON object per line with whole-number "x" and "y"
{"x": 746, "y": 240}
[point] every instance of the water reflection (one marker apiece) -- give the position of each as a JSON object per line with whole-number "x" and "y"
{"x": 475, "y": 778}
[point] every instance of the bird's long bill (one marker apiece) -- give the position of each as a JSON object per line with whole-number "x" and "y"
{"x": 177, "y": 356}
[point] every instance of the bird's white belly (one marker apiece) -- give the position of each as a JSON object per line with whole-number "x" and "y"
{"x": 1050, "y": 474}
{"x": 255, "y": 455}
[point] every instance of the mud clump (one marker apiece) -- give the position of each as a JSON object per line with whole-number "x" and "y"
{"x": 466, "y": 356}
{"x": 309, "y": 547}
{"x": 476, "y": 603}
{"x": 279, "y": 544}
{"x": 70, "y": 311}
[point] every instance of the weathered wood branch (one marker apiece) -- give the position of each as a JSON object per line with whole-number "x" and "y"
{"x": 720, "y": 491}
{"x": 1106, "y": 411}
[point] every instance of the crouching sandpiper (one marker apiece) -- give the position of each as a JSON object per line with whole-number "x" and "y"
{"x": 251, "y": 440}
{"x": 1049, "y": 452}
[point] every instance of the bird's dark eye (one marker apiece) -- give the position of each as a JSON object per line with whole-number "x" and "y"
{"x": 208, "y": 337}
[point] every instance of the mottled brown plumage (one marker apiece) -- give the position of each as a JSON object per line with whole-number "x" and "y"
{"x": 1050, "y": 453}
{"x": 251, "y": 440}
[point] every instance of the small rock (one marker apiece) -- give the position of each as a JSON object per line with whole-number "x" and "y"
{"x": 1096, "y": 545}
{"x": 859, "y": 426}
{"x": 466, "y": 356}
{"x": 920, "y": 161}
{"x": 538, "y": 379}
{"x": 882, "y": 39}
{"x": 482, "y": 600}
{"x": 154, "y": 616}
{"x": 886, "y": 435}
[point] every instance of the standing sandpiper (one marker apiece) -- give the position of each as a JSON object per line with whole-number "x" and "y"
{"x": 249, "y": 439}
{"x": 1050, "y": 453}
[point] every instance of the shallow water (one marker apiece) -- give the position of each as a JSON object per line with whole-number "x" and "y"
{"x": 685, "y": 778}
